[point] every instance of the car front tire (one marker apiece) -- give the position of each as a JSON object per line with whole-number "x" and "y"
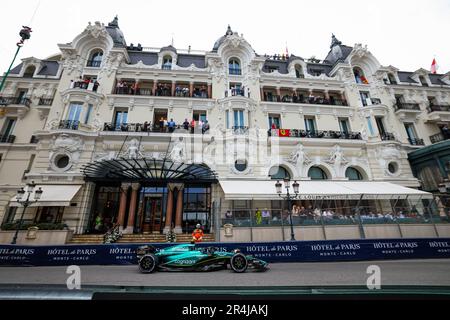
{"x": 148, "y": 263}
{"x": 238, "y": 263}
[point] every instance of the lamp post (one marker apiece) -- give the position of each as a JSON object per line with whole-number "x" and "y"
{"x": 25, "y": 34}
{"x": 25, "y": 203}
{"x": 289, "y": 197}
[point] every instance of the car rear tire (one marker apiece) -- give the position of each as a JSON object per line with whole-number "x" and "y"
{"x": 239, "y": 263}
{"x": 148, "y": 263}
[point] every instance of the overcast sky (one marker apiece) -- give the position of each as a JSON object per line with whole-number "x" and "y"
{"x": 404, "y": 33}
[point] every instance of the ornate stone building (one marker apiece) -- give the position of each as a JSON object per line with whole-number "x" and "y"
{"x": 92, "y": 126}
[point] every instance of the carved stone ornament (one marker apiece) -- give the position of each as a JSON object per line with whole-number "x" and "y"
{"x": 65, "y": 145}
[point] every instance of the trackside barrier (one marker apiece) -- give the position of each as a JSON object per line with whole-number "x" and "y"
{"x": 287, "y": 251}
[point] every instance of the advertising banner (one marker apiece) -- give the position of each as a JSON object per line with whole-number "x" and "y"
{"x": 287, "y": 251}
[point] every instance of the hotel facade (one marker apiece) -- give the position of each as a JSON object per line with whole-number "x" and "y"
{"x": 149, "y": 140}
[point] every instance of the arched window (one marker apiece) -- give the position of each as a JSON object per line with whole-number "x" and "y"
{"x": 279, "y": 173}
{"x": 359, "y": 76}
{"x": 95, "y": 60}
{"x": 316, "y": 173}
{"x": 234, "y": 66}
{"x": 299, "y": 71}
{"x": 353, "y": 174}
{"x": 167, "y": 63}
{"x": 29, "y": 72}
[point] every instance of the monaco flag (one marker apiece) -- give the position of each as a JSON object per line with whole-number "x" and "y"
{"x": 434, "y": 66}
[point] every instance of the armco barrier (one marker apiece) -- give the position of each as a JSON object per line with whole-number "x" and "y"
{"x": 292, "y": 251}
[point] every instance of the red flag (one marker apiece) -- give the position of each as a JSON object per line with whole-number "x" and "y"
{"x": 284, "y": 133}
{"x": 434, "y": 66}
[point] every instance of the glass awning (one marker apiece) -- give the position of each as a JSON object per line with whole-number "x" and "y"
{"x": 146, "y": 169}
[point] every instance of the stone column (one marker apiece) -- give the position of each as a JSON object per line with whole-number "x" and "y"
{"x": 179, "y": 211}
{"x": 209, "y": 90}
{"x": 191, "y": 89}
{"x": 174, "y": 84}
{"x": 327, "y": 94}
{"x": 123, "y": 203}
{"x": 132, "y": 209}
{"x": 262, "y": 93}
{"x": 155, "y": 85}
{"x": 169, "y": 209}
{"x": 278, "y": 94}
{"x": 344, "y": 99}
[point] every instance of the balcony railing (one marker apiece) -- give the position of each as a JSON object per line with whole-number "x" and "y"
{"x": 435, "y": 107}
{"x": 7, "y": 138}
{"x": 416, "y": 141}
{"x": 94, "y": 64}
{"x": 439, "y": 137}
{"x": 45, "y": 101}
{"x": 15, "y": 100}
{"x": 406, "y": 106}
{"x": 69, "y": 124}
{"x": 387, "y": 136}
{"x": 148, "y": 127}
{"x": 317, "y": 134}
{"x": 179, "y": 92}
{"x": 234, "y": 71}
{"x": 240, "y": 129}
{"x": 310, "y": 100}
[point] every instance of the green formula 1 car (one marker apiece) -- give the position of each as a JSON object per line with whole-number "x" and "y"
{"x": 188, "y": 257}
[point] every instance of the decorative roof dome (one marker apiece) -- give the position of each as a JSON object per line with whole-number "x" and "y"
{"x": 222, "y": 38}
{"x": 168, "y": 48}
{"x": 115, "y": 33}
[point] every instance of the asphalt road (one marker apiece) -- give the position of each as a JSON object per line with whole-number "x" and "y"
{"x": 404, "y": 272}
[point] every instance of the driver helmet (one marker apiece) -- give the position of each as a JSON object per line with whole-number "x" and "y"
{"x": 198, "y": 226}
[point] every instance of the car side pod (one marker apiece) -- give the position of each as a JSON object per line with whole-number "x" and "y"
{"x": 238, "y": 263}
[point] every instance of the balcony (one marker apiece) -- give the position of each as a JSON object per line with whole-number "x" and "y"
{"x": 240, "y": 130}
{"x": 148, "y": 127}
{"x": 69, "y": 124}
{"x": 416, "y": 142}
{"x": 435, "y": 107}
{"x": 15, "y": 101}
{"x": 45, "y": 101}
{"x": 371, "y": 102}
{"x": 439, "y": 137}
{"x": 315, "y": 134}
{"x": 7, "y": 138}
{"x": 438, "y": 113}
{"x": 310, "y": 100}
{"x": 93, "y": 64}
{"x": 234, "y": 71}
{"x": 164, "y": 90}
{"x": 406, "y": 106}
{"x": 387, "y": 136}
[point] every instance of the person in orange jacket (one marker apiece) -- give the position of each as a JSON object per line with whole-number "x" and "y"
{"x": 197, "y": 234}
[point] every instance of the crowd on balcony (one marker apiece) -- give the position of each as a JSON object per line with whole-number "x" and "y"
{"x": 87, "y": 84}
{"x": 318, "y": 134}
{"x": 310, "y": 99}
{"x": 162, "y": 89}
{"x": 162, "y": 125}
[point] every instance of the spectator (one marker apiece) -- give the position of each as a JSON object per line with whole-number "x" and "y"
{"x": 161, "y": 124}
{"x": 145, "y": 127}
{"x": 96, "y": 85}
{"x": 265, "y": 216}
{"x": 205, "y": 127}
{"x": 192, "y": 125}
{"x": 171, "y": 125}
{"x": 186, "y": 124}
{"x": 258, "y": 216}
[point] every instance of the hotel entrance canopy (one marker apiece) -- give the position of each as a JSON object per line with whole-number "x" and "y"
{"x": 52, "y": 196}
{"x": 317, "y": 190}
{"x": 147, "y": 169}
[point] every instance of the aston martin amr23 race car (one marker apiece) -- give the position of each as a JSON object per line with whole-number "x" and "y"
{"x": 188, "y": 257}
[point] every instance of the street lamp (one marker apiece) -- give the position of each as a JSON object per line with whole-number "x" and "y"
{"x": 288, "y": 197}
{"x": 25, "y": 34}
{"x": 25, "y": 203}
